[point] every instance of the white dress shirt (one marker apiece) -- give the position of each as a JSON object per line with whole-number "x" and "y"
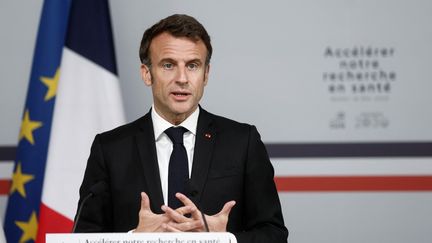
{"x": 164, "y": 146}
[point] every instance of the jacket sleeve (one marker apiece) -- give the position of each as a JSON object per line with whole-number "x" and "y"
{"x": 96, "y": 214}
{"x": 262, "y": 209}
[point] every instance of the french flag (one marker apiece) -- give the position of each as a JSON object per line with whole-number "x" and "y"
{"x": 88, "y": 102}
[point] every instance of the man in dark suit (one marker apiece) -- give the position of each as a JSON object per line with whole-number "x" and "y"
{"x": 222, "y": 167}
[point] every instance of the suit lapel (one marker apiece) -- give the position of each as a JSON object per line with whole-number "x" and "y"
{"x": 204, "y": 144}
{"x": 147, "y": 151}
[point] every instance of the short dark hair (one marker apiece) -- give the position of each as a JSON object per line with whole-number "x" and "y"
{"x": 178, "y": 25}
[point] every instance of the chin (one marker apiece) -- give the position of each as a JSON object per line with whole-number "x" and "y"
{"x": 183, "y": 109}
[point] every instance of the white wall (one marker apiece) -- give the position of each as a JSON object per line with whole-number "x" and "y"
{"x": 267, "y": 69}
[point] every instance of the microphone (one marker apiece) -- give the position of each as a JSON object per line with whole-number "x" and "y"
{"x": 94, "y": 190}
{"x": 192, "y": 192}
{"x": 204, "y": 219}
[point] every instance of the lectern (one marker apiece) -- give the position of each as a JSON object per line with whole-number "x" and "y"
{"x": 142, "y": 238}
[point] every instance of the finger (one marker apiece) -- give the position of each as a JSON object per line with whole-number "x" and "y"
{"x": 227, "y": 208}
{"x": 186, "y": 210}
{"x": 175, "y": 215}
{"x": 169, "y": 228}
{"x": 194, "y": 225}
{"x": 145, "y": 201}
{"x": 181, "y": 210}
{"x": 185, "y": 200}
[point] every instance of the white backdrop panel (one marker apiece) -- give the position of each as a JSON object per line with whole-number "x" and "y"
{"x": 283, "y": 66}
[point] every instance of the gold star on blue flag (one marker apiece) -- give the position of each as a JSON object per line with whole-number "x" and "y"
{"x": 29, "y": 228}
{"x": 19, "y": 179}
{"x": 51, "y": 83}
{"x": 27, "y": 128}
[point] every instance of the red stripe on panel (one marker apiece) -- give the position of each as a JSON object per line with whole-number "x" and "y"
{"x": 332, "y": 183}
{"x": 4, "y": 186}
{"x": 353, "y": 183}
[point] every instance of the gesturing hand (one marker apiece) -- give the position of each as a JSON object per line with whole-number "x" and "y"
{"x": 151, "y": 222}
{"x": 216, "y": 223}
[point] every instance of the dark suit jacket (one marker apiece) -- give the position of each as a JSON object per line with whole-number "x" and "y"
{"x": 230, "y": 164}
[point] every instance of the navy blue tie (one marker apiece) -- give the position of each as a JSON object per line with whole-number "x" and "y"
{"x": 178, "y": 172}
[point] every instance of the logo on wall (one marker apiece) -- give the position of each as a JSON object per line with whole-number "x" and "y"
{"x": 371, "y": 120}
{"x": 359, "y": 73}
{"x": 338, "y": 121}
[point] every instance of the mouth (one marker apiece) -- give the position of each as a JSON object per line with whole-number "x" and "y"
{"x": 180, "y": 95}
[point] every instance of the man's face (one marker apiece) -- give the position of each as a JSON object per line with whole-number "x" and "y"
{"x": 177, "y": 75}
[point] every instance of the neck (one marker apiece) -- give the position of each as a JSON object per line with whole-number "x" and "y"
{"x": 174, "y": 119}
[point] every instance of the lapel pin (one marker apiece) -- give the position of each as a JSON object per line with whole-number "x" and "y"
{"x": 207, "y": 135}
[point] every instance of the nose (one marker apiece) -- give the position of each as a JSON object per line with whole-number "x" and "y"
{"x": 182, "y": 75}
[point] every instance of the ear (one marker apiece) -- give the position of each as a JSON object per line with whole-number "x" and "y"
{"x": 146, "y": 75}
{"x": 206, "y": 74}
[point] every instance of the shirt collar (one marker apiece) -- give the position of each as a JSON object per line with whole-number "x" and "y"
{"x": 160, "y": 124}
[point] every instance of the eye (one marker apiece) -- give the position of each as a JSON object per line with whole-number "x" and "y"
{"x": 167, "y": 66}
{"x": 192, "y": 66}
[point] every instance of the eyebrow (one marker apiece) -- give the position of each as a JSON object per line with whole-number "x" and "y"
{"x": 167, "y": 60}
{"x": 197, "y": 60}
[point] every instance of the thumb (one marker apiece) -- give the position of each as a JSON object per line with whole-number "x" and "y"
{"x": 145, "y": 201}
{"x": 227, "y": 208}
